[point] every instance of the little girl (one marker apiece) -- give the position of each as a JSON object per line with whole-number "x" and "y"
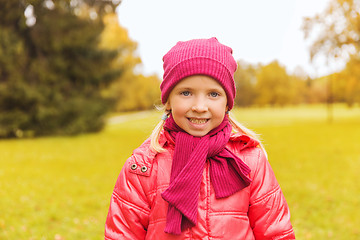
{"x": 201, "y": 175}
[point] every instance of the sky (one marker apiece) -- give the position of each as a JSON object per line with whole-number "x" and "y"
{"x": 258, "y": 31}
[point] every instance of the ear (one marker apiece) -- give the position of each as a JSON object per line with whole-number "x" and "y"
{"x": 167, "y": 106}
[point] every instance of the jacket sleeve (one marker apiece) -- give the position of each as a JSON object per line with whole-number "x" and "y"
{"x": 268, "y": 211}
{"x": 129, "y": 209}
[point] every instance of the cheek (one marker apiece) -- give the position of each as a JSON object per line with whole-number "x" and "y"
{"x": 221, "y": 106}
{"x": 220, "y": 116}
{"x": 176, "y": 104}
{"x": 178, "y": 110}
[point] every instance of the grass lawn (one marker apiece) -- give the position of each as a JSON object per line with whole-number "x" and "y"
{"x": 59, "y": 188}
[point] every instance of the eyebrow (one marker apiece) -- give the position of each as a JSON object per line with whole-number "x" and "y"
{"x": 183, "y": 89}
{"x": 210, "y": 89}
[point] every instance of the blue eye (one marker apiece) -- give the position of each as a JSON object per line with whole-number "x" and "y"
{"x": 214, "y": 94}
{"x": 185, "y": 93}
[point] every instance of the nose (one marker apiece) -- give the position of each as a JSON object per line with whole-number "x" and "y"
{"x": 200, "y": 105}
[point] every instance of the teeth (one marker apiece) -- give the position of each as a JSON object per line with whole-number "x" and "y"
{"x": 198, "y": 121}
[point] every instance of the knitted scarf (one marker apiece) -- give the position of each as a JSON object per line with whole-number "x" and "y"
{"x": 228, "y": 173}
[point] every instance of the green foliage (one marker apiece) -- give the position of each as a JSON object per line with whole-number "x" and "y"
{"x": 60, "y": 188}
{"x": 52, "y": 71}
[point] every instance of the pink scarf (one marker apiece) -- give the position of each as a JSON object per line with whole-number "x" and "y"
{"x": 228, "y": 173}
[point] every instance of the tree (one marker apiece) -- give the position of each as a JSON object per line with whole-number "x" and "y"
{"x": 274, "y": 85}
{"x": 338, "y": 35}
{"x": 302, "y": 86}
{"x": 337, "y": 29}
{"x": 245, "y": 80}
{"x": 347, "y": 83}
{"x": 52, "y": 71}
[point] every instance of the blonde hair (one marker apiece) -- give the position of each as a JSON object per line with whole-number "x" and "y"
{"x": 237, "y": 127}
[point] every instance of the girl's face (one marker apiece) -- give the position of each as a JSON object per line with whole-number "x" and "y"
{"x": 198, "y": 104}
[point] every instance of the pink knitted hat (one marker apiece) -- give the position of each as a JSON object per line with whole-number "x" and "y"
{"x": 199, "y": 57}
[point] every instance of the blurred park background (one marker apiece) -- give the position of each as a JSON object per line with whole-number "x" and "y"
{"x": 74, "y": 104}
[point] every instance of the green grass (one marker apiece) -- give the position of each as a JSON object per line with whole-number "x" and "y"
{"x": 59, "y": 188}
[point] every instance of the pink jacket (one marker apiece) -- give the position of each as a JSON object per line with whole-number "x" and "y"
{"x": 137, "y": 210}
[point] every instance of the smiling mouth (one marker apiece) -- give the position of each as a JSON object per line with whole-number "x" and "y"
{"x": 198, "y": 121}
